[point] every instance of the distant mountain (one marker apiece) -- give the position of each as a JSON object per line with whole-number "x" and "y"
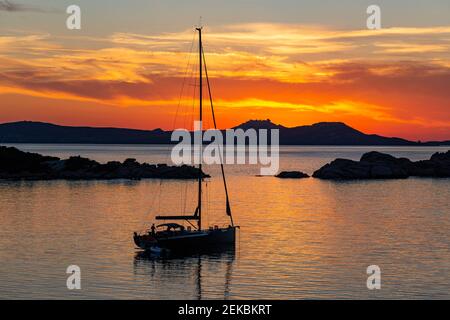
{"x": 40, "y": 132}
{"x": 330, "y": 133}
{"x": 259, "y": 124}
{"x": 335, "y": 133}
{"x": 323, "y": 133}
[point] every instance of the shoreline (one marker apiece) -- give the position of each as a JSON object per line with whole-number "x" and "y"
{"x": 19, "y": 165}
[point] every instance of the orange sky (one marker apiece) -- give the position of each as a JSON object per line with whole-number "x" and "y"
{"x": 393, "y": 81}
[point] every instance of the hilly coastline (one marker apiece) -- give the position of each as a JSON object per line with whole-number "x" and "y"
{"x": 323, "y": 133}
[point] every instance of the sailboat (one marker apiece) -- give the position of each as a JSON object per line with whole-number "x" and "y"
{"x": 173, "y": 236}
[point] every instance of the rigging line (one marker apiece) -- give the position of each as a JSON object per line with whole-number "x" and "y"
{"x": 187, "y": 70}
{"x": 190, "y": 115}
{"x": 191, "y": 120}
{"x": 205, "y": 204}
{"x": 159, "y": 197}
{"x": 185, "y": 198}
{"x": 194, "y": 97}
{"x": 184, "y": 80}
{"x": 220, "y": 151}
{"x": 152, "y": 206}
{"x": 181, "y": 91}
{"x": 185, "y": 107}
{"x": 193, "y": 75}
{"x": 191, "y": 224}
{"x": 192, "y": 70}
{"x": 174, "y": 120}
{"x": 181, "y": 199}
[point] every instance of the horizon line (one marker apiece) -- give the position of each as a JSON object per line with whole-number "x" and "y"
{"x": 259, "y": 120}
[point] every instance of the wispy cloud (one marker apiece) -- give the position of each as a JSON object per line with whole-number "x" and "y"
{"x": 10, "y": 6}
{"x": 396, "y": 76}
{"x": 6, "y": 5}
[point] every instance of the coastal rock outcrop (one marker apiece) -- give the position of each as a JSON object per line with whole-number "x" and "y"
{"x": 19, "y": 165}
{"x": 292, "y": 175}
{"x": 437, "y": 166}
{"x": 377, "y": 165}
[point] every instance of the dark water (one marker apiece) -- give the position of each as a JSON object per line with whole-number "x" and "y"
{"x": 299, "y": 238}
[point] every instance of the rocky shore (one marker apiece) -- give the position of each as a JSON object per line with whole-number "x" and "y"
{"x": 19, "y": 165}
{"x": 376, "y": 165}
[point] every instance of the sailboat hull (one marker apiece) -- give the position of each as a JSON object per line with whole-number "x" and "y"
{"x": 189, "y": 240}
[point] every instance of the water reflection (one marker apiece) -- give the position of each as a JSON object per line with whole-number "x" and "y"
{"x": 307, "y": 239}
{"x": 160, "y": 269}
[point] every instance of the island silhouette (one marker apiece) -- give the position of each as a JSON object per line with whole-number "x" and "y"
{"x": 322, "y": 133}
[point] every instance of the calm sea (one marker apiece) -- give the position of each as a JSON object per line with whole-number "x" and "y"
{"x": 299, "y": 239}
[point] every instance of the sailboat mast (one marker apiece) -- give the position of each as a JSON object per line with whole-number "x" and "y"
{"x": 200, "y": 47}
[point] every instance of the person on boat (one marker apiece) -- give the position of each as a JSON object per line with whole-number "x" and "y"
{"x": 153, "y": 228}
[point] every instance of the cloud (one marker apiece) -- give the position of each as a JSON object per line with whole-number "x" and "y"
{"x": 396, "y": 76}
{"x": 7, "y": 5}
{"x": 296, "y": 53}
{"x": 286, "y": 53}
{"x": 311, "y": 42}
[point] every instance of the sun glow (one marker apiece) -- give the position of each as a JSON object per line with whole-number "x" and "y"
{"x": 291, "y": 72}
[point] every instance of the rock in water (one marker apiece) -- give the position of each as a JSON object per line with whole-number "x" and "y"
{"x": 377, "y": 165}
{"x": 385, "y": 166}
{"x": 341, "y": 169}
{"x": 437, "y": 166}
{"x": 19, "y": 165}
{"x": 292, "y": 175}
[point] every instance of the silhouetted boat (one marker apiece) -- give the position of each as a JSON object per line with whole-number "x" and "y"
{"x": 173, "y": 236}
